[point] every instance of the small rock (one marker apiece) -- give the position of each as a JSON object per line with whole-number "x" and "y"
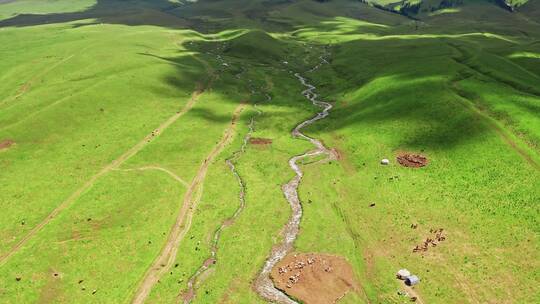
{"x": 385, "y": 161}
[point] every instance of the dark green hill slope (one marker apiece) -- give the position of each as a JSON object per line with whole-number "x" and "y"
{"x": 256, "y": 45}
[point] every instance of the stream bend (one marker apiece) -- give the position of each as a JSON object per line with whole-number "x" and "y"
{"x": 263, "y": 284}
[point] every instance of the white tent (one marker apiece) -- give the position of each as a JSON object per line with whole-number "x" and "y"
{"x": 412, "y": 280}
{"x": 402, "y": 274}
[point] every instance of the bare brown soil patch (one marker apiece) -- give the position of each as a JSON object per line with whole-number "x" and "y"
{"x": 412, "y": 160}
{"x": 228, "y": 223}
{"x": 260, "y": 141}
{"x": 6, "y": 144}
{"x": 51, "y": 292}
{"x": 341, "y": 155}
{"x": 188, "y": 295}
{"x": 314, "y": 278}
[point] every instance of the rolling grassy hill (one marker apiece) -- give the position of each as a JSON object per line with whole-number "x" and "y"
{"x": 121, "y": 116}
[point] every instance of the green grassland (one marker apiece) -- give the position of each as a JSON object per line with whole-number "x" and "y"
{"x": 83, "y": 82}
{"x": 13, "y": 8}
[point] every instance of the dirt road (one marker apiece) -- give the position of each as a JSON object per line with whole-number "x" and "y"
{"x": 113, "y": 165}
{"x": 187, "y": 296}
{"x": 167, "y": 257}
{"x": 158, "y": 168}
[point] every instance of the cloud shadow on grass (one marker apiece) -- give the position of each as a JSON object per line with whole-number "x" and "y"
{"x": 448, "y": 122}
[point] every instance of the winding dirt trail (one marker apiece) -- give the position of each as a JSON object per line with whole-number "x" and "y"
{"x": 112, "y": 166}
{"x": 158, "y": 168}
{"x": 167, "y": 257}
{"x": 263, "y": 284}
{"x": 414, "y": 294}
{"x": 188, "y": 295}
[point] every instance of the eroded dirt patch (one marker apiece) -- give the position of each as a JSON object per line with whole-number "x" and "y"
{"x": 4, "y": 144}
{"x": 260, "y": 141}
{"x": 314, "y": 278}
{"x": 412, "y": 160}
{"x": 51, "y": 292}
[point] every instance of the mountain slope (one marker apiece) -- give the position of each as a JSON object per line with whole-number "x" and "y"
{"x": 414, "y": 7}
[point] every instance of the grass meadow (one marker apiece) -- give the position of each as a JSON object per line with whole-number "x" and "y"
{"x": 90, "y": 190}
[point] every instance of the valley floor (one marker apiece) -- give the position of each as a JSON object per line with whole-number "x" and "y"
{"x": 148, "y": 153}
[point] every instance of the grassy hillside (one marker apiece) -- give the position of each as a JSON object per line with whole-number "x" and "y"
{"x": 11, "y": 8}
{"x": 121, "y": 116}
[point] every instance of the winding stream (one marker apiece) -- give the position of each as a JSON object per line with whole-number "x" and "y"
{"x": 187, "y": 296}
{"x": 263, "y": 284}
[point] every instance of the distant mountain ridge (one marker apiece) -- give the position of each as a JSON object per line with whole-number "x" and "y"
{"x": 414, "y": 7}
